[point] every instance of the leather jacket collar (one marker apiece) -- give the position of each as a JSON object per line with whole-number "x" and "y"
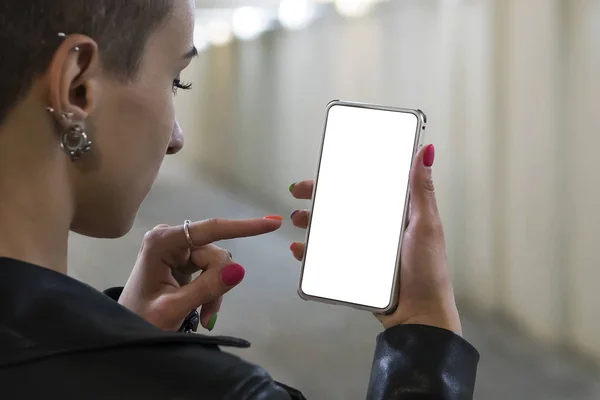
{"x": 45, "y": 313}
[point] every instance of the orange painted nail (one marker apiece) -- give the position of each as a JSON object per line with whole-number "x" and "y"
{"x": 274, "y": 217}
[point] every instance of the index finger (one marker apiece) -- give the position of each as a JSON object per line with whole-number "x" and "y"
{"x": 215, "y": 229}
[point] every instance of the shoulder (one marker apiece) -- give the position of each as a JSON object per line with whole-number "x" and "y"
{"x": 226, "y": 374}
{"x": 153, "y": 371}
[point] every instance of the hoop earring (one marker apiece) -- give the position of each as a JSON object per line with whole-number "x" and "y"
{"x": 75, "y": 142}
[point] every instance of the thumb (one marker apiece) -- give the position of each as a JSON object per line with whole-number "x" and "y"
{"x": 210, "y": 286}
{"x": 422, "y": 194}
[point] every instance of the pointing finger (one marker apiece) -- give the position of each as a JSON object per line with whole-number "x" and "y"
{"x": 215, "y": 229}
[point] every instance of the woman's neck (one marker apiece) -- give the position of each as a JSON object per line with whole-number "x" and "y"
{"x": 32, "y": 234}
{"x": 35, "y": 200}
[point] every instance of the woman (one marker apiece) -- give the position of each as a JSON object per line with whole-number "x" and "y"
{"x": 86, "y": 117}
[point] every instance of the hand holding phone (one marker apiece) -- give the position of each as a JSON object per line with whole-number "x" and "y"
{"x": 417, "y": 284}
{"x": 426, "y": 296}
{"x": 373, "y": 145}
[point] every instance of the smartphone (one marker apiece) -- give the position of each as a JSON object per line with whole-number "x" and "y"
{"x": 360, "y": 206}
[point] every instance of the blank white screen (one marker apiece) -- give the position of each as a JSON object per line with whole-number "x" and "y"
{"x": 358, "y": 206}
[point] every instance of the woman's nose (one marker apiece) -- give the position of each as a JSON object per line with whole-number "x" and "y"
{"x": 176, "y": 143}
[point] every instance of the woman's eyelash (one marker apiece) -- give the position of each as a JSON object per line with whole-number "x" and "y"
{"x": 178, "y": 84}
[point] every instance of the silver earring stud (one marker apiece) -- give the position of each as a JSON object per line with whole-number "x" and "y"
{"x": 75, "y": 142}
{"x": 63, "y": 35}
{"x": 67, "y": 115}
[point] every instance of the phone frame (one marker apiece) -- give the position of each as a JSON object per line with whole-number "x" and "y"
{"x": 418, "y": 141}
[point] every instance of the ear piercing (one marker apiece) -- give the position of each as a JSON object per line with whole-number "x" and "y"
{"x": 63, "y": 35}
{"x": 74, "y": 141}
{"x": 67, "y": 115}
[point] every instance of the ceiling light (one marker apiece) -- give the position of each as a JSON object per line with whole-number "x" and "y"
{"x": 353, "y": 8}
{"x": 218, "y": 32}
{"x": 296, "y": 14}
{"x": 249, "y": 22}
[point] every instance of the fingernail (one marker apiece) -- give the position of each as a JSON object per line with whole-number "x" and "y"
{"x": 274, "y": 217}
{"x": 429, "y": 155}
{"x": 232, "y": 274}
{"x": 293, "y": 213}
{"x": 212, "y": 322}
{"x": 292, "y": 187}
{"x": 293, "y": 246}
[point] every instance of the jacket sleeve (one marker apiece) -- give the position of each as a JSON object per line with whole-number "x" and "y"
{"x": 422, "y": 362}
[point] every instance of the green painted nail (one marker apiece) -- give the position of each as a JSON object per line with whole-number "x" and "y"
{"x": 292, "y": 186}
{"x": 212, "y": 321}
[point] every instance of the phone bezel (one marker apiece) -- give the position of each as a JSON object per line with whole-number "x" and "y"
{"x": 418, "y": 141}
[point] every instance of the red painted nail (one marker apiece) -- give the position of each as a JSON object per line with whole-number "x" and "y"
{"x": 429, "y": 155}
{"x": 293, "y": 247}
{"x": 232, "y": 274}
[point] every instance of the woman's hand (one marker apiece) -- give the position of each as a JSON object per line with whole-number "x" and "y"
{"x": 161, "y": 289}
{"x": 426, "y": 296}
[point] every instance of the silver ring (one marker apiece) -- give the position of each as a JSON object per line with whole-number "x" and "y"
{"x": 186, "y": 230}
{"x": 230, "y": 255}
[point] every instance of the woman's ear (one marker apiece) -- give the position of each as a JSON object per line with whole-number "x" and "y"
{"x": 72, "y": 76}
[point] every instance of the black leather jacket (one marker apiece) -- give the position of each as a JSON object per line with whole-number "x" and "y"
{"x": 62, "y": 339}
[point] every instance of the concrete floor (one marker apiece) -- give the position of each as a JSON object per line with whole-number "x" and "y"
{"x": 323, "y": 350}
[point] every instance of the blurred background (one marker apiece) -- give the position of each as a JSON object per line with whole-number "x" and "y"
{"x": 512, "y": 94}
